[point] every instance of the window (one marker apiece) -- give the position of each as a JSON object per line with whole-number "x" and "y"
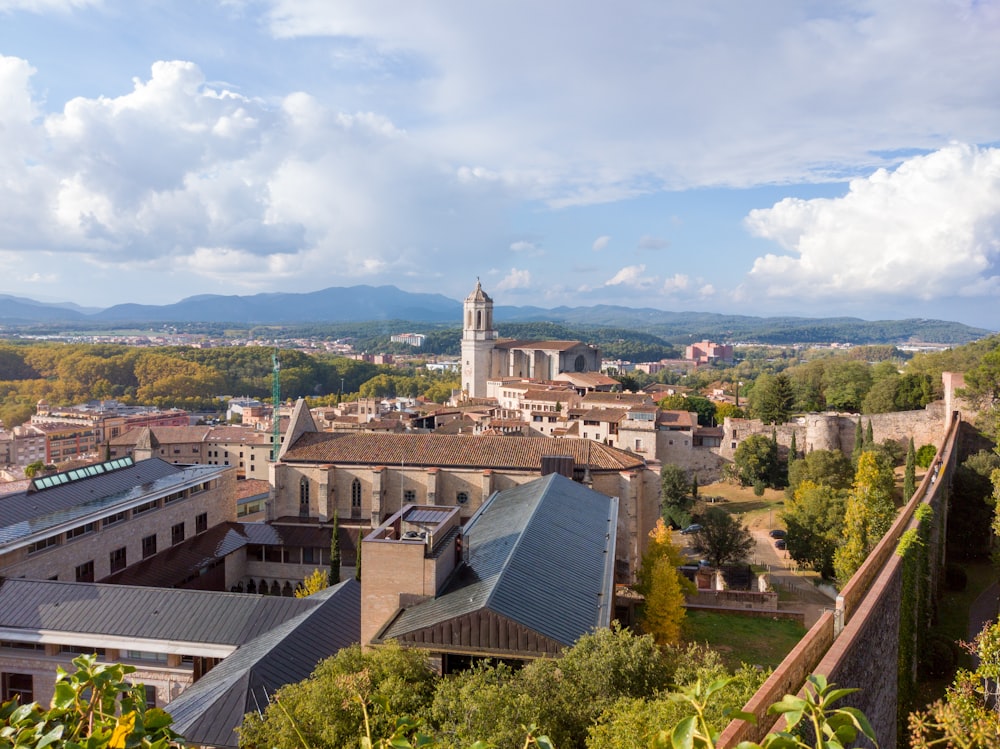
{"x": 356, "y": 493}
{"x": 81, "y": 530}
{"x": 85, "y": 572}
{"x": 462, "y": 498}
{"x": 146, "y": 507}
{"x": 176, "y": 534}
{"x": 150, "y": 696}
{"x": 409, "y": 496}
{"x": 118, "y": 559}
{"x": 145, "y": 655}
{"x": 201, "y": 523}
{"x": 17, "y": 686}
{"x": 83, "y": 650}
{"x": 45, "y": 543}
{"x": 304, "y": 498}
{"x": 148, "y": 546}
{"x": 118, "y": 517}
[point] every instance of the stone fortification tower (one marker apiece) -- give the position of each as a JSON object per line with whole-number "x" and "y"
{"x": 478, "y": 340}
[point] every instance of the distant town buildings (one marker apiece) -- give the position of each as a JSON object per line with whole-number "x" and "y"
{"x": 707, "y": 352}
{"x": 411, "y": 339}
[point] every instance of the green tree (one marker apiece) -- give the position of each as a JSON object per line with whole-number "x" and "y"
{"x": 327, "y": 706}
{"x": 357, "y": 559}
{"x": 94, "y": 707}
{"x": 756, "y": 461}
{"x": 726, "y": 410}
{"x": 868, "y": 515}
{"x": 722, "y": 540}
{"x": 859, "y": 441}
{"x": 675, "y": 494}
{"x": 335, "y": 550}
{"x": 845, "y": 384}
{"x": 910, "y": 472}
{"x": 814, "y": 518}
{"x": 869, "y": 436}
{"x": 925, "y": 455}
{"x": 827, "y": 467}
{"x": 771, "y": 398}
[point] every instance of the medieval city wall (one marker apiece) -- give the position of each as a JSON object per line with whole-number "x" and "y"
{"x": 830, "y": 431}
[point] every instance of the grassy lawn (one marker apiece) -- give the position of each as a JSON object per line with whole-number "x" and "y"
{"x": 744, "y": 639}
{"x": 756, "y": 511}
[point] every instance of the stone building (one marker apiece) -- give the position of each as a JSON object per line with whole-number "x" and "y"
{"x": 88, "y": 523}
{"x": 367, "y": 477}
{"x": 485, "y": 356}
{"x": 246, "y": 449}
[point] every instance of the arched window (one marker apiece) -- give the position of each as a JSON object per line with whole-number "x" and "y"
{"x": 304, "y": 497}
{"x": 580, "y": 365}
{"x": 356, "y": 493}
{"x": 462, "y": 498}
{"x": 479, "y": 319}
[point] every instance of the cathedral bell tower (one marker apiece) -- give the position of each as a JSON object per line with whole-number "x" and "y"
{"x": 478, "y": 338}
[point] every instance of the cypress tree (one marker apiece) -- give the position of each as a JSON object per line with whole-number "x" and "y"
{"x": 910, "y": 472}
{"x": 694, "y": 487}
{"x": 357, "y": 558}
{"x": 869, "y": 436}
{"x": 335, "y": 551}
{"x": 859, "y": 441}
{"x": 793, "y": 450}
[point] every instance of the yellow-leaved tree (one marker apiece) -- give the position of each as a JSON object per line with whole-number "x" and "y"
{"x": 314, "y": 582}
{"x": 663, "y": 586}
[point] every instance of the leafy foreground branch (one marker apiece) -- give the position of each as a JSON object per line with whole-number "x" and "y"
{"x": 92, "y": 708}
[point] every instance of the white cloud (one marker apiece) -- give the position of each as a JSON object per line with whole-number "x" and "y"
{"x": 706, "y": 291}
{"x": 601, "y": 243}
{"x": 516, "y": 279}
{"x": 856, "y": 81}
{"x": 523, "y": 246}
{"x": 631, "y": 275}
{"x": 677, "y": 282}
{"x": 929, "y": 229}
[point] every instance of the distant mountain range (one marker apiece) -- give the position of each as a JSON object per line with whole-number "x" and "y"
{"x": 382, "y": 303}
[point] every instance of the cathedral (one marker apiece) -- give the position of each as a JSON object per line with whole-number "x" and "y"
{"x": 486, "y": 358}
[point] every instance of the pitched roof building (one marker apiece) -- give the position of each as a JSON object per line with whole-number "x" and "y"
{"x": 529, "y": 574}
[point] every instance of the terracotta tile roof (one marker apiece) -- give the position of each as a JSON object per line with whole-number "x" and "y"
{"x": 539, "y": 345}
{"x": 168, "y": 435}
{"x": 606, "y": 414}
{"x": 251, "y": 488}
{"x": 596, "y": 398}
{"x": 455, "y": 451}
{"x": 550, "y": 395}
{"x": 677, "y": 419}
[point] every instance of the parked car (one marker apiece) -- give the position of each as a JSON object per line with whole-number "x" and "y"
{"x": 693, "y": 528}
{"x": 777, "y": 533}
{"x": 779, "y": 544}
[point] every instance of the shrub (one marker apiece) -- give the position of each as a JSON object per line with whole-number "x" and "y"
{"x": 925, "y": 455}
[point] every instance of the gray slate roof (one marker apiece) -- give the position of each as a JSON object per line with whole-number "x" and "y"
{"x": 540, "y": 554}
{"x": 209, "y": 712}
{"x": 192, "y": 616}
{"x": 24, "y": 514}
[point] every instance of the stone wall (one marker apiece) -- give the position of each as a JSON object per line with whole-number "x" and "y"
{"x": 836, "y": 431}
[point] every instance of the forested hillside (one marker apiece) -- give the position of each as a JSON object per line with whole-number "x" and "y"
{"x": 189, "y": 378}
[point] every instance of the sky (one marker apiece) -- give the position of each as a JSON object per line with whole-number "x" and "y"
{"x": 768, "y": 158}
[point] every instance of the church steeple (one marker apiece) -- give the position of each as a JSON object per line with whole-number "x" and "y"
{"x": 478, "y": 338}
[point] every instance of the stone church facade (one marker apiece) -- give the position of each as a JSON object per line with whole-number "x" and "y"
{"x": 486, "y": 357}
